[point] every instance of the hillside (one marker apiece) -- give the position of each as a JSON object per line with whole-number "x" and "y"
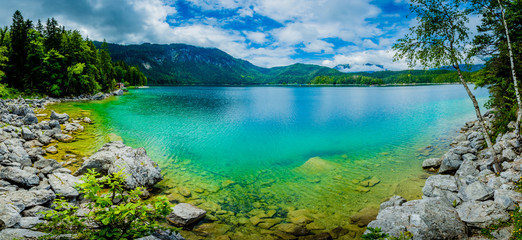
{"x": 181, "y": 64}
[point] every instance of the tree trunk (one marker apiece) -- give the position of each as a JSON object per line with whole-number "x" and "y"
{"x": 481, "y": 120}
{"x": 515, "y": 82}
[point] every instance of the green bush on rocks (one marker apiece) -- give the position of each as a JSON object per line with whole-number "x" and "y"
{"x": 116, "y": 214}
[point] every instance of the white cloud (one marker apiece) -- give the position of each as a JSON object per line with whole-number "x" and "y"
{"x": 358, "y": 61}
{"x": 306, "y": 25}
{"x": 256, "y": 37}
{"x": 319, "y": 46}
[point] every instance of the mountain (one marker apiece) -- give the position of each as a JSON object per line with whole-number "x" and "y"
{"x": 181, "y": 64}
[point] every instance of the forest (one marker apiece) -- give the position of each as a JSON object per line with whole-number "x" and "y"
{"x": 48, "y": 60}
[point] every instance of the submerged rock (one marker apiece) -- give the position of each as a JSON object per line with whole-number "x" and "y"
{"x": 185, "y": 214}
{"x": 139, "y": 170}
{"x": 317, "y": 165}
{"x": 62, "y": 118}
{"x": 431, "y": 163}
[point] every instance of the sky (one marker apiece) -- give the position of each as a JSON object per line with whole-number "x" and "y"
{"x": 267, "y": 33}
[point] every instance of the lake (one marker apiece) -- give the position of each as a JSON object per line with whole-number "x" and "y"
{"x": 240, "y": 152}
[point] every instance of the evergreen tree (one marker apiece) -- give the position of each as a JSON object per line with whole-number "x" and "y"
{"x": 18, "y": 52}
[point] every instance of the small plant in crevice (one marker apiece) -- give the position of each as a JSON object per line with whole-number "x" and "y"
{"x": 377, "y": 234}
{"x": 116, "y": 214}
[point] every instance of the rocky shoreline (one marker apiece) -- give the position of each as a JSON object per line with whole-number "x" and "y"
{"x": 30, "y": 180}
{"x": 465, "y": 196}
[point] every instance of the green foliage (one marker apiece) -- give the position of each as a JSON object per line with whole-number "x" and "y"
{"x": 57, "y": 62}
{"x": 120, "y": 214}
{"x": 440, "y": 38}
{"x": 491, "y": 43}
{"x": 377, "y": 234}
{"x": 516, "y": 217}
{"x": 487, "y": 232}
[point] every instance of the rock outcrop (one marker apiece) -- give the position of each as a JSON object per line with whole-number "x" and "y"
{"x": 473, "y": 197}
{"x": 185, "y": 214}
{"x": 138, "y": 168}
{"x": 30, "y": 181}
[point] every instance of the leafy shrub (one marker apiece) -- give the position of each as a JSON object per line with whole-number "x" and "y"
{"x": 116, "y": 214}
{"x": 374, "y": 234}
{"x": 377, "y": 234}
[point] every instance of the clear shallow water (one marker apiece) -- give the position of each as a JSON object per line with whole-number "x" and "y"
{"x": 281, "y": 148}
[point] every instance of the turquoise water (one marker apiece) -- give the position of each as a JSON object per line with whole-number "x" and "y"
{"x": 247, "y": 148}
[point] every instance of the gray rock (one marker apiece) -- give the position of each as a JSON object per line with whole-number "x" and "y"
{"x": 44, "y": 139}
{"x": 138, "y": 168}
{"x": 63, "y": 137}
{"x": 30, "y": 119}
{"x": 19, "y": 176}
{"x": 19, "y": 233}
{"x": 19, "y": 155}
{"x": 503, "y": 197}
{"x": 64, "y": 184}
{"x": 54, "y": 124}
{"x": 36, "y": 211}
{"x": 73, "y": 127}
{"x": 469, "y": 157}
{"x": 482, "y": 214}
{"x": 63, "y": 170}
{"x": 118, "y": 92}
{"x": 495, "y": 182}
{"x": 442, "y": 182}
{"x": 468, "y": 168}
{"x": 511, "y": 175}
{"x": 87, "y": 120}
{"x": 450, "y": 162}
{"x": 43, "y": 163}
{"x": 30, "y": 198}
{"x": 51, "y": 149}
{"x": 461, "y": 150}
{"x": 62, "y": 118}
{"x": 29, "y": 222}
{"x": 99, "y": 96}
{"x": 9, "y": 213}
{"x": 27, "y": 134}
{"x": 476, "y": 191}
{"x": 477, "y": 144}
{"x": 431, "y": 162}
{"x": 508, "y": 154}
{"x": 185, "y": 214}
{"x": 393, "y": 202}
{"x": 515, "y": 143}
{"x": 429, "y": 218}
{"x": 3, "y": 148}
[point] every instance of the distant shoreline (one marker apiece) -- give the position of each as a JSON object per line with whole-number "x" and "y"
{"x": 303, "y": 85}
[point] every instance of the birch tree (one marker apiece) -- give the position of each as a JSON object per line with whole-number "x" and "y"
{"x": 494, "y": 9}
{"x": 441, "y": 38}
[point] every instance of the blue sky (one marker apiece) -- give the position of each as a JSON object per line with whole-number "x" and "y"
{"x": 265, "y": 32}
